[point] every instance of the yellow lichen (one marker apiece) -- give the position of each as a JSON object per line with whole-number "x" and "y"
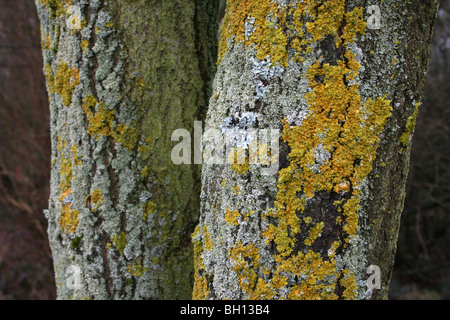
{"x": 260, "y": 24}
{"x": 337, "y": 125}
{"x": 99, "y": 117}
{"x": 46, "y": 42}
{"x": 200, "y": 290}
{"x": 101, "y": 123}
{"x": 65, "y": 173}
{"x": 76, "y": 159}
{"x": 137, "y": 269}
{"x": 68, "y": 159}
{"x": 231, "y": 217}
{"x": 267, "y": 34}
{"x": 239, "y": 161}
{"x": 56, "y": 7}
{"x": 348, "y": 281}
{"x": 245, "y": 261}
{"x": 84, "y": 45}
{"x": 63, "y": 82}
{"x": 68, "y": 219}
{"x": 119, "y": 241}
{"x": 314, "y": 233}
{"x": 208, "y": 242}
{"x": 96, "y": 199}
{"x": 340, "y": 125}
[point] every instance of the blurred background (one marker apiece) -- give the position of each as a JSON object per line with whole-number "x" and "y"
{"x": 422, "y": 269}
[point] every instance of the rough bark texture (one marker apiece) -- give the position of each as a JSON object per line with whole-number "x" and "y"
{"x": 122, "y": 75}
{"x": 345, "y": 96}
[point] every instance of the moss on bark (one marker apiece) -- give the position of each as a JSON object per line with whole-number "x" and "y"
{"x": 123, "y": 75}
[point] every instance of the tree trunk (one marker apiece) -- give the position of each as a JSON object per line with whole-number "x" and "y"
{"x": 342, "y": 82}
{"x": 121, "y": 76}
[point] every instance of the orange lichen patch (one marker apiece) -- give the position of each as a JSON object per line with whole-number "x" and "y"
{"x": 84, "y": 44}
{"x": 96, "y": 199}
{"x": 239, "y": 161}
{"x": 236, "y": 189}
{"x": 348, "y": 281}
{"x": 354, "y": 25}
{"x": 68, "y": 219}
{"x": 339, "y": 125}
{"x": 63, "y": 82}
{"x": 324, "y": 18}
{"x": 65, "y": 196}
{"x": 231, "y": 217}
{"x": 332, "y": 251}
{"x": 327, "y": 17}
{"x": 314, "y": 233}
{"x": 260, "y": 24}
{"x": 101, "y": 123}
{"x": 288, "y": 225}
{"x": 318, "y": 273}
{"x": 337, "y": 122}
{"x": 270, "y": 233}
{"x": 351, "y": 136}
{"x": 267, "y": 34}
{"x": 246, "y": 263}
{"x": 56, "y": 7}
{"x": 263, "y": 290}
{"x": 99, "y": 117}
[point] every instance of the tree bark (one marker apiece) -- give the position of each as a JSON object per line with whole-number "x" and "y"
{"x": 343, "y": 85}
{"x": 121, "y": 77}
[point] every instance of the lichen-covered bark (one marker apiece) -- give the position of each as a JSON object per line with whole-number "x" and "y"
{"x": 345, "y": 94}
{"x": 121, "y": 76}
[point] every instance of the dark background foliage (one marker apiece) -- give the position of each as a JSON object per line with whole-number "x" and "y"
{"x": 422, "y": 269}
{"x": 26, "y": 272}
